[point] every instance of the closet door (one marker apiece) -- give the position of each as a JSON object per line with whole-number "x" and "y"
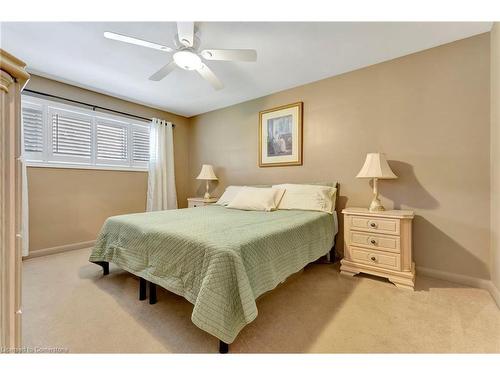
{"x": 13, "y": 77}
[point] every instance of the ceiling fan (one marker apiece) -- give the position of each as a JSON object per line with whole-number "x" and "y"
{"x": 186, "y": 54}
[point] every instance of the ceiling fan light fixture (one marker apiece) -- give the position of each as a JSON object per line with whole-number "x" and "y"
{"x": 187, "y": 60}
{"x": 186, "y": 55}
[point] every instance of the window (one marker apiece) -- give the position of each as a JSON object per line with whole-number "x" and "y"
{"x": 33, "y": 130}
{"x": 112, "y": 142}
{"x": 61, "y": 135}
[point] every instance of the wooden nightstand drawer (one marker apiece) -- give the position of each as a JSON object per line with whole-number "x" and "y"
{"x": 200, "y": 202}
{"x": 374, "y": 258}
{"x": 376, "y": 225}
{"x": 375, "y": 241}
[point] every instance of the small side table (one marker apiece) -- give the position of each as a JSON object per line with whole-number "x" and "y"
{"x": 379, "y": 243}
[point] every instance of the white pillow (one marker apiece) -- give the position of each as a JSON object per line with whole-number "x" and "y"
{"x": 257, "y": 199}
{"x": 307, "y": 197}
{"x": 229, "y": 195}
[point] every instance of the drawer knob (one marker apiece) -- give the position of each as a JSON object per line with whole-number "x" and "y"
{"x": 373, "y": 258}
{"x": 373, "y": 225}
{"x": 373, "y": 242}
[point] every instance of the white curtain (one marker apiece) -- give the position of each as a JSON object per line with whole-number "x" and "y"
{"x": 161, "y": 183}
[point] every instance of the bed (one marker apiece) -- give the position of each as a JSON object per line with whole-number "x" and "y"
{"x": 219, "y": 259}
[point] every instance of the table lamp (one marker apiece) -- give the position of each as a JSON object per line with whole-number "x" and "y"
{"x": 376, "y": 167}
{"x": 207, "y": 173}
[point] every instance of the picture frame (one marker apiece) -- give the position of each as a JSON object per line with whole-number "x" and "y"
{"x": 280, "y": 136}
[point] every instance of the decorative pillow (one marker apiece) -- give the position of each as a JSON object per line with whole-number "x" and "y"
{"x": 229, "y": 195}
{"x": 307, "y": 197}
{"x": 257, "y": 199}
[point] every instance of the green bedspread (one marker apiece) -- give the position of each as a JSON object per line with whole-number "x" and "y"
{"x": 219, "y": 259}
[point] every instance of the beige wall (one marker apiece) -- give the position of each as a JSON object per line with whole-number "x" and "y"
{"x": 495, "y": 155}
{"x": 69, "y": 205}
{"x": 429, "y": 112}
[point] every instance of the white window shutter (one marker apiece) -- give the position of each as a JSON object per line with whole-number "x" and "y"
{"x": 33, "y": 130}
{"x": 57, "y": 134}
{"x": 71, "y": 136}
{"x": 112, "y": 142}
{"x": 140, "y": 145}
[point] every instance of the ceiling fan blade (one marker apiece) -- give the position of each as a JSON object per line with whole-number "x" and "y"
{"x": 207, "y": 73}
{"x": 230, "y": 54}
{"x": 163, "y": 72}
{"x": 136, "y": 41}
{"x": 185, "y": 32}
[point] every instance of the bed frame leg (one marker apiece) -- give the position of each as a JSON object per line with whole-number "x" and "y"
{"x": 152, "y": 293}
{"x": 223, "y": 347}
{"x": 142, "y": 289}
{"x": 105, "y": 267}
{"x": 332, "y": 255}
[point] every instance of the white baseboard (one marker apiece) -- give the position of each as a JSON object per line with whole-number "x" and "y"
{"x": 59, "y": 249}
{"x": 462, "y": 279}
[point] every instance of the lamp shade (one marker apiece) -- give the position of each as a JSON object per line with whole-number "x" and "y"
{"x": 376, "y": 166}
{"x": 207, "y": 173}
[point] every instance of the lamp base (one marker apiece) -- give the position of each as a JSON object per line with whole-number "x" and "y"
{"x": 207, "y": 194}
{"x": 376, "y": 205}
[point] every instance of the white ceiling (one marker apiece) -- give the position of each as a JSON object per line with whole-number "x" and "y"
{"x": 289, "y": 54}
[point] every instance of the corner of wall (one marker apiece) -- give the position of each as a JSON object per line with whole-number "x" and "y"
{"x": 495, "y": 293}
{"x": 495, "y": 160}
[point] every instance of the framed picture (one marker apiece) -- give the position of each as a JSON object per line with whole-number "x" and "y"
{"x": 280, "y": 136}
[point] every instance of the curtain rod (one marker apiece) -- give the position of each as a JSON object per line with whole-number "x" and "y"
{"x": 94, "y": 107}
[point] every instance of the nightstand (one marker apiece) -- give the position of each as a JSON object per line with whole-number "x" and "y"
{"x": 379, "y": 243}
{"x": 200, "y": 202}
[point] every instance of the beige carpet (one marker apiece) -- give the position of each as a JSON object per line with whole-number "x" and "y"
{"x": 69, "y": 304}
